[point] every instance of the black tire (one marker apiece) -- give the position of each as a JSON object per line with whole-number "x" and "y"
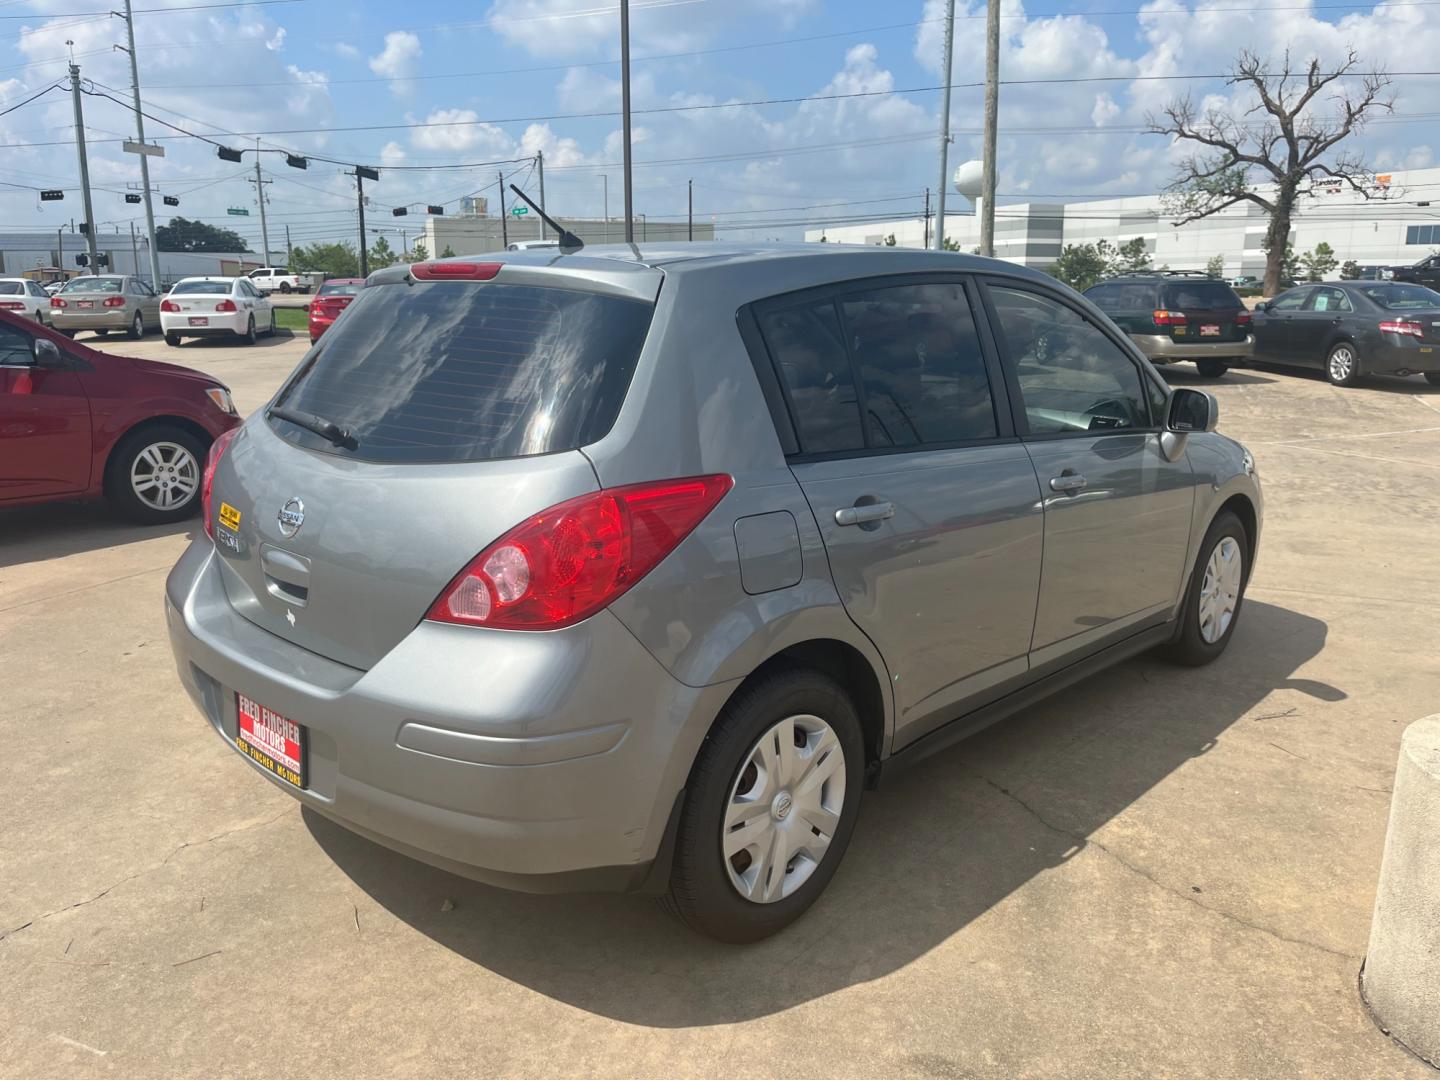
{"x": 1433, "y": 378}
{"x": 250, "y": 337}
{"x": 68, "y": 333}
{"x": 137, "y": 327}
{"x": 100, "y": 333}
{"x": 1334, "y": 368}
{"x": 274, "y": 329}
{"x": 118, "y": 487}
{"x": 1189, "y": 646}
{"x": 173, "y": 340}
{"x": 284, "y": 286}
{"x": 701, "y": 894}
{"x": 1211, "y": 369}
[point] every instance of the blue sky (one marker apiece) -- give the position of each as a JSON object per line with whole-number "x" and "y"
{"x": 448, "y": 83}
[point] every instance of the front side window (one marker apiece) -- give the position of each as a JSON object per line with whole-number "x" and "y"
{"x": 921, "y": 369}
{"x": 808, "y": 349}
{"x": 1072, "y": 377}
{"x": 15, "y": 347}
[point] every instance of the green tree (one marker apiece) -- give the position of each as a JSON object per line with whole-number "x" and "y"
{"x": 1215, "y": 266}
{"x": 890, "y": 240}
{"x": 381, "y": 254}
{"x": 1082, "y": 265}
{"x": 1319, "y": 262}
{"x": 419, "y": 253}
{"x": 448, "y": 253}
{"x": 182, "y": 234}
{"x": 950, "y": 244}
{"x": 1349, "y": 270}
{"x": 334, "y": 260}
{"x": 1130, "y": 257}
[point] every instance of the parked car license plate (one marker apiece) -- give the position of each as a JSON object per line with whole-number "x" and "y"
{"x": 271, "y": 741}
{"x": 1209, "y": 330}
{"x": 200, "y": 320}
{"x": 85, "y": 303}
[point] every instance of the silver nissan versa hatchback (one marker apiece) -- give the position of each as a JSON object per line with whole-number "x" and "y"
{"x": 631, "y": 568}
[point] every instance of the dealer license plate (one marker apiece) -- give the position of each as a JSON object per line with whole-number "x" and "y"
{"x": 86, "y": 303}
{"x": 1209, "y": 330}
{"x": 199, "y": 320}
{"x": 271, "y": 741}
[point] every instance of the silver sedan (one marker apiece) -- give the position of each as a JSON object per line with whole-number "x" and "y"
{"x": 103, "y": 303}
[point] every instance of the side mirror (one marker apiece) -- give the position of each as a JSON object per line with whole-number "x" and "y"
{"x": 1192, "y": 410}
{"x": 1264, "y": 305}
{"x": 47, "y": 354}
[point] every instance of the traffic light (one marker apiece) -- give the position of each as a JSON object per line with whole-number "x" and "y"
{"x": 224, "y": 153}
{"x": 435, "y": 209}
{"x": 132, "y": 198}
{"x": 51, "y": 195}
{"x": 400, "y": 211}
{"x": 82, "y": 260}
{"x": 295, "y": 161}
{"x": 171, "y": 200}
{"x": 101, "y": 259}
{"x": 84, "y": 228}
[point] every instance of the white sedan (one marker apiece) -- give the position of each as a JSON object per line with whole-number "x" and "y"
{"x": 212, "y": 306}
{"x": 24, "y": 297}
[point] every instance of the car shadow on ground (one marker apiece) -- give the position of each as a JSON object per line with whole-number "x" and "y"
{"x": 54, "y": 530}
{"x": 933, "y": 851}
{"x": 1415, "y": 385}
{"x": 280, "y": 337}
{"x": 1186, "y": 375}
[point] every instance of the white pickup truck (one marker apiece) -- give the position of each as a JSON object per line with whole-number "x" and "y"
{"x": 278, "y": 279}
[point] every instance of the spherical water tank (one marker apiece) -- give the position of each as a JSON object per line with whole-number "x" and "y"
{"x": 969, "y": 179}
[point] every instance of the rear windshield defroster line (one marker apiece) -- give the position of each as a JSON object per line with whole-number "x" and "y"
{"x": 462, "y": 371}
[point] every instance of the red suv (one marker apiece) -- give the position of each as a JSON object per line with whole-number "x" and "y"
{"x": 78, "y": 423}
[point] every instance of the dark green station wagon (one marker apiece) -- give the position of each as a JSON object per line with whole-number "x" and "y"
{"x": 1179, "y": 315}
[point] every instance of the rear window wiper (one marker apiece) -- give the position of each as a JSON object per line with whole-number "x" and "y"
{"x": 326, "y": 429}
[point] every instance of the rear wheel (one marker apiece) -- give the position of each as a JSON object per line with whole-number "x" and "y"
{"x": 1217, "y": 589}
{"x": 137, "y": 328}
{"x": 273, "y": 326}
{"x": 1212, "y": 369}
{"x": 102, "y": 333}
{"x": 173, "y": 340}
{"x": 1433, "y": 378}
{"x": 249, "y": 334}
{"x": 769, "y": 808}
{"x": 284, "y": 286}
{"x": 155, "y": 474}
{"x": 1342, "y": 366}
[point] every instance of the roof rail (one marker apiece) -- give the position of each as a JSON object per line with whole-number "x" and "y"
{"x": 1166, "y": 273}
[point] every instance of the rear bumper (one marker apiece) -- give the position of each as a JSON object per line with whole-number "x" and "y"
{"x": 539, "y": 762}
{"x": 104, "y": 319}
{"x": 1163, "y": 350}
{"x": 225, "y": 324}
{"x": 1404, "y": 354}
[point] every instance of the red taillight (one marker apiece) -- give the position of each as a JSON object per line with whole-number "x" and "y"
{"x": 1403, "y": 327}
{"x": 169, "y": 305}
{"x": 114, "y": 301}
{"x": 567, "y": 562}
{"x": 225, "y": 305}
{"x": 454, "y": 271}
{"x": 1170, "y": 318}
{"x": 55, "y": 301}
{"x": 1244, "y": 318}
{"x": 11, "y": 305}
{"x": 207, "y": 478}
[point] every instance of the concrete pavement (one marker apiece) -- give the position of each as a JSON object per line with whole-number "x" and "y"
{"x": 1162, "y": 872}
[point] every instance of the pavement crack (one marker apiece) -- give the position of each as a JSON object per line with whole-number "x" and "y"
{"x": 141, "y": 873}
{"x": 1189, "y": 897}
{"x": 1292, "y": 753}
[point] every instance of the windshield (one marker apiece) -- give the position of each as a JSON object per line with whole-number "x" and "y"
{"x": 1203, "y": 295}
{"x": 218, "y": 288}
{"x": 458, "y": 371}
{"x": 93, "y": 284}
{"x": 349, "y": 288}
{"x": 12, "y": 288}
{"x": 1402, "y": 297}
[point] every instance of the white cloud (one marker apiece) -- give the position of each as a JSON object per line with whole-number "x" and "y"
{"x": 397, "y": 61}
{"x": 569, "y": 28}
{"x": 459, "y": 129}
{"x": 391, "y": 155}
{"x": 276, "y": 42}
{"x": 1104, "y": 111}
{"x": 341, "y": 48}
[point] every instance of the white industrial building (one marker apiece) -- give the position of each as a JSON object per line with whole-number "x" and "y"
{"x": 1395, "y": 225}
{"x": 475, "y": 234}
{"x": 39, "y": 254}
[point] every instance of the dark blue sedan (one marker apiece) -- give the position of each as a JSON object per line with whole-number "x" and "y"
{"x": 1349, "y": 329}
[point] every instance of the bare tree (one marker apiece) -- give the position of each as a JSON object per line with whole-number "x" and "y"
{"x": 1281, "y": 144}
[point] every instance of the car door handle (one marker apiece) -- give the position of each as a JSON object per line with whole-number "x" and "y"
{"x": 859, "y": 515}
{"x": 1067, "y": 481}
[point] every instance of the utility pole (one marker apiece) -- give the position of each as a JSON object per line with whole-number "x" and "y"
{"x": 360, "y": 200}
{"x": 540, "y": 168}
{"x": 992, "y": 113}
{"x": 690, "y": 208}
{"x": 260, "y": 198}
{"x": 504, "y": 229}
{"x": 605, "y": 179}
{"x": 144, "y": 158}
{"x": 84, "y": 165}
{"x": 134, "y": 254}
{"x": 60, "y": 251}
{"x": 945, "y": 121}
{"x": 289, "y": 250}
{"x": 927, "y": 217}
{"x": 625, "y": 109}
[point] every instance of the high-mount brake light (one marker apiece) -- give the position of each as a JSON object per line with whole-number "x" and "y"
{"x": 454, "y": 271}
{"x": 566, "y": 563}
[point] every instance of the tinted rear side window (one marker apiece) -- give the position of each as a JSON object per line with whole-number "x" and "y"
{"x": 11, "y": 288}
{"x": 454, "y": 371}
{"x": 1202, "y": 295}
{"x": 810, "y": 356}
{"x": 1135, "y": 296}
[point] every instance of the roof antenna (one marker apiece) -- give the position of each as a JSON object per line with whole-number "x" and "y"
{"x": 569, "y": 242}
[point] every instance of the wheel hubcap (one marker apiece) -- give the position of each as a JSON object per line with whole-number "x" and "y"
{"x": 784, "y": 808}
{"x": 1220, "y": 590}
{"x": 1341, "y": 361}
{"x": 165, "y": 476}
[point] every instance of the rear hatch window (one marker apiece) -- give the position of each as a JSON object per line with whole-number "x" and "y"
{"x": 1201, "y": 296}
{"x": 464, "y": 371}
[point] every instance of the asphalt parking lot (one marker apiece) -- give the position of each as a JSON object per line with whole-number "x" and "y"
{"x": 1162, "y": 872}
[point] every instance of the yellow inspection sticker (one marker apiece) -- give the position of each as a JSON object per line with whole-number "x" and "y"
{"x": 229, "y": 516}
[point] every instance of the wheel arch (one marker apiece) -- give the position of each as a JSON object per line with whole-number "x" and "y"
{"x": 1240, "y": 505}
{"x": 112, "y": 458}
